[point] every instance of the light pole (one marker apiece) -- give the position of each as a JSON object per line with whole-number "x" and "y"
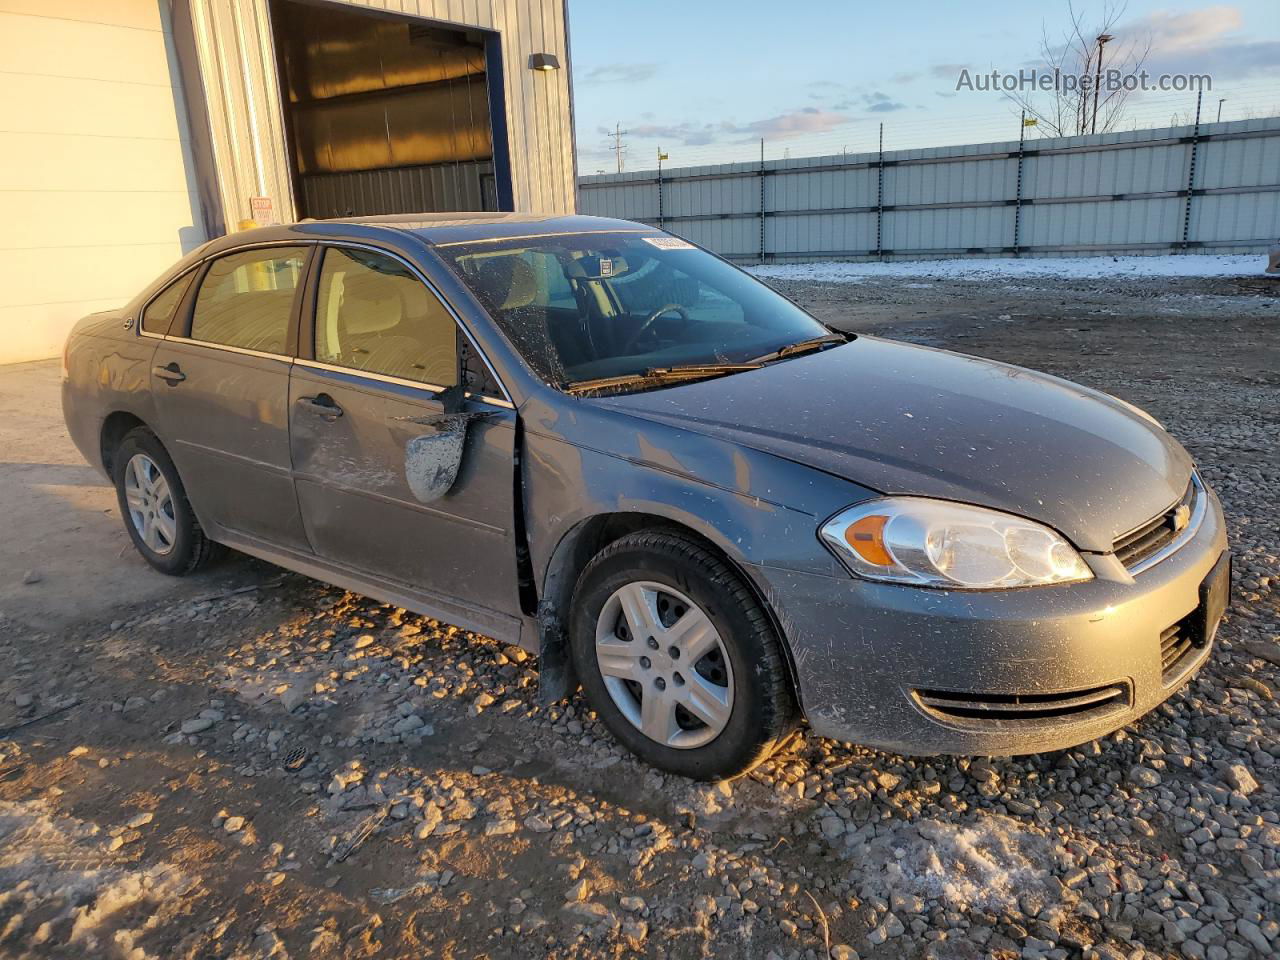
{"x": 1103, "y": 38}
{"x": 1221, "y": 101}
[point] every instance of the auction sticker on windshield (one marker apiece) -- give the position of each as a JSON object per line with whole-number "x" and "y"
{"x": 669, "y": 243}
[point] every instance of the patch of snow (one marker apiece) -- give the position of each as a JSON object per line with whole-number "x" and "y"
{"x": 59, "y": 871}
{"x": 1065, "y": 268}
{"x": 988, "y": 865}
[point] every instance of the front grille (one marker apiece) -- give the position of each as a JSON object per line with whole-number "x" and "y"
{"x": 995, "y": 710}
{"x": 1157, "y": 533}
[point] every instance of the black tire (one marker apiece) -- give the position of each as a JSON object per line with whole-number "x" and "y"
{"x": 190, "y": 549}
{"x": 763, "y": 712}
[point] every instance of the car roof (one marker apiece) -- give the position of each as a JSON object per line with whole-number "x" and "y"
{"x": 445, "y": 228}
{"x": 437, "y": 229}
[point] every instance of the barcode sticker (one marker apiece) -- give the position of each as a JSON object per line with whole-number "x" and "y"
{"x": 669, "y": 243}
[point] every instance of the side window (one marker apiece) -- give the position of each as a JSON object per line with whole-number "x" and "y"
{"x": 246, "y": 299}
{"x": 373, "y": 314}
{"x": 159, "y": 312}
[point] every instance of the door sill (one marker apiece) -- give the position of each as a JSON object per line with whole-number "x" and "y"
{"x": 460, "y": 613}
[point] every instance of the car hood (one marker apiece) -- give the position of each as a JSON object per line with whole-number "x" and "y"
{"x": 904, "y": 419}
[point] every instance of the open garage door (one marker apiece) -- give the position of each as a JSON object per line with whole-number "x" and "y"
{"x": 389, "y": 114}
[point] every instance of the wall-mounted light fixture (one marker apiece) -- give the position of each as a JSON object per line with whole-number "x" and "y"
{"x": 544, "y": 61}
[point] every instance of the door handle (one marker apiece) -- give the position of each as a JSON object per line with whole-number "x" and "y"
{"x": 322, "y": 405}
{"x": 170, "y": 372}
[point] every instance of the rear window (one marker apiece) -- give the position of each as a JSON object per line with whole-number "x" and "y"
{"x": 246, "y": 299}
{"x": 159, "y": 312}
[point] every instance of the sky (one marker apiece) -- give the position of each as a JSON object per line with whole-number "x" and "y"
{"x": 705, "y": 80}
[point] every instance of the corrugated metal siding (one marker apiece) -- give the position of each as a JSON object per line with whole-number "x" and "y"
{"x": 1116, "y": 192}
{"x": 452, "y": 186}
{"x": 237, "y": 61}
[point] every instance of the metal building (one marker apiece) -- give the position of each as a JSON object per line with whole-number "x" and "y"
{"x": 136, "y": 129}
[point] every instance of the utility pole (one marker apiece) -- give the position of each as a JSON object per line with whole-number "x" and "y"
{"x": 1221, "y": 101}
{"x": 1103, "y": 38}
{"x": 618, "y": 148}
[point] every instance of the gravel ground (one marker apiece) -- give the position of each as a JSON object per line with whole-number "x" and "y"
{"x": 289, "y": 770}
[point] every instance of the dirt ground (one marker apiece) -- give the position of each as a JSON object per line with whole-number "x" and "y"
{"x": 251, "y": 764}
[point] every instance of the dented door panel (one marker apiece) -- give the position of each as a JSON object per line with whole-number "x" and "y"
{"x": 391, "y": 484}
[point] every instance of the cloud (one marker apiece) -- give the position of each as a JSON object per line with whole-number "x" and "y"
{"x": 796, "y": 123}
{"x": 1203, "y": 41}
{"x": 783, "y": 126}
{"x": 874, "y": 102}
{"x": 944, "y": 71}
{"x": 1212, "y": 40}
{"x": 1171, "y": 31}
{"x": 688, "y": 134}
{"x": 621, "y": 73}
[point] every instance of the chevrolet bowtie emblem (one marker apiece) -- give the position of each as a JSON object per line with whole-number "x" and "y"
{"x": 1181, "y": 517}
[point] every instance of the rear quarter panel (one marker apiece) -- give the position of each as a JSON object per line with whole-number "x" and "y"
{"x": 106, "y": 369}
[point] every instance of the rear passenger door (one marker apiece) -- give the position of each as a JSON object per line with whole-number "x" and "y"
{"x": 221, "y": 385}
{"x": 366, "y": 402}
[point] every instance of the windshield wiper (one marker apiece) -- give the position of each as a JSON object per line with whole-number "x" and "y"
{"x": 658, "y": 375}
{"x": 804, "y": 346}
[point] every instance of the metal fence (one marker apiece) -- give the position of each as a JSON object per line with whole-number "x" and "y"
{"x": 1205, "y": 188}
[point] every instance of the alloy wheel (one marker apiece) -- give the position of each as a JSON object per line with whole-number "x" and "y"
{"x": 150, "y": 503}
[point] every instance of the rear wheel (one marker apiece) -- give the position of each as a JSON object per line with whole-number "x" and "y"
{"x": 153, "y": 504}
{"x": 678, "y": 658}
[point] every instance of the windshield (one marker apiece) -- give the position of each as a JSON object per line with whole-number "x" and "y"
{"x": 586, "y": 307}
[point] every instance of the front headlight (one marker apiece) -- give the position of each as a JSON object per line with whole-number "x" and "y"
{"x": 934, "y": 543}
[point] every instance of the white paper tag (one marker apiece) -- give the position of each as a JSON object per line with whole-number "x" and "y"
{"x": 669, "y": 243}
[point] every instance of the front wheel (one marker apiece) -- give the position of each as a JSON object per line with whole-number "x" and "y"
{"x": 677, "y": 657}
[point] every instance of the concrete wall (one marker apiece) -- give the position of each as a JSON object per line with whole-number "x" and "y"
{"x": 1130, "y": 192}
{"x": 95, "y": 195}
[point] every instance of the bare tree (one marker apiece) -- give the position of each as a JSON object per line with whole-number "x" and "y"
{"x": 1081, "y": 57}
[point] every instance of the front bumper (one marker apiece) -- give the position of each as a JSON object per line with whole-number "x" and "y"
{"x": 921, "y": 671}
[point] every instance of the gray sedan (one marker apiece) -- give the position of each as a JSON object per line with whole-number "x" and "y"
{"x": 717, "y": 516}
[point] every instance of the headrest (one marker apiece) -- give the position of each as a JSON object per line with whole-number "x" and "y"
{"x": 509, "y": 281}
{"x": 370, "y": 307}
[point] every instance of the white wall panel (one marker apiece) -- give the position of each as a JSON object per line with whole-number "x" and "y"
{"x": 94, "y": 161}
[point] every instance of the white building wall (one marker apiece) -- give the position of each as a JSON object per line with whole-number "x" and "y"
{"x": 95, "y": 198}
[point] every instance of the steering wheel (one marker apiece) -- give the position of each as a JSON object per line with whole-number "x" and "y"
{"x": 649, "y": 322}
